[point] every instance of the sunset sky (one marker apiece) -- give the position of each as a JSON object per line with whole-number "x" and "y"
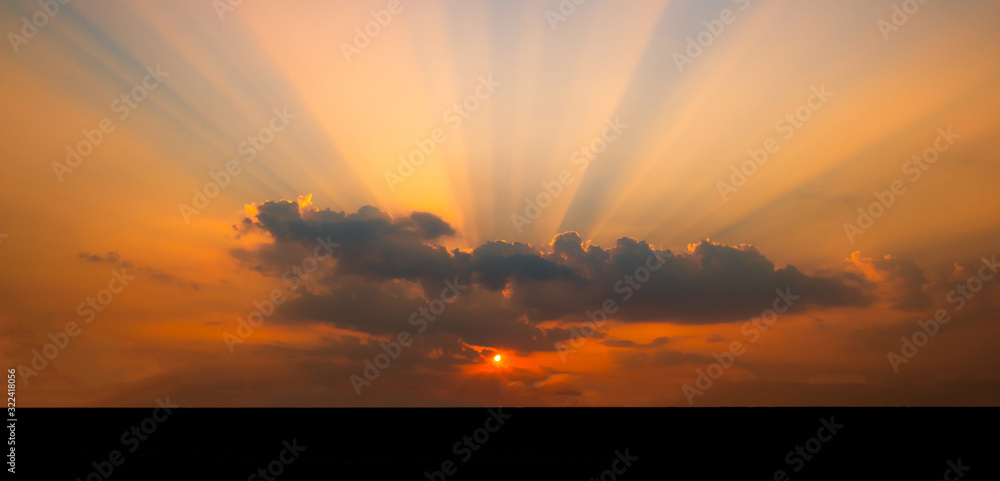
{"x": 515, "y": 167}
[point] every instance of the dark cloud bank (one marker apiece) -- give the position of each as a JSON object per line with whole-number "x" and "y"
{"x": 387, "y": 268}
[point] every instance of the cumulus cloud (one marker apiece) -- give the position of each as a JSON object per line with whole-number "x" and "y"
{"x": 901, "y": 282}
{"x": 387, "y": 269}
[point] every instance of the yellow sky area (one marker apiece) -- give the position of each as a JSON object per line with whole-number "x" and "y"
{"x": 894, "y": 106}
{"x": 603, "y": 77}
{"x": 361, "y": 102}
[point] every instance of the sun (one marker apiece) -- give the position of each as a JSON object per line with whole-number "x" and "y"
{"x": 496, "y": 358}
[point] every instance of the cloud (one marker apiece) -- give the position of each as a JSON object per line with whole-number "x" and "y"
{"x": 635, "y": 359}
{"x": 387, "y": 269}
{"x": 625, "y": 343}
{"x": 109, "y": 258}
{"x": 669, "y": 357}
{"x": 371, "y": 243}
{"x": 384, "y": 309}
{"x": 158, "y": 275}
{"x": 901, "y": 281}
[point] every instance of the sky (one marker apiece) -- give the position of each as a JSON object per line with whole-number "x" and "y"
{"x": 500, "y": 202}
